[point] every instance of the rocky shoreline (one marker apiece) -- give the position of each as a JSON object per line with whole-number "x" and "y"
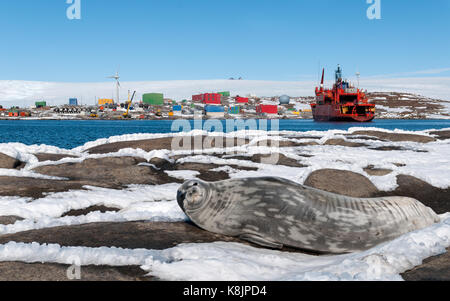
{"x": 117, "y": 172}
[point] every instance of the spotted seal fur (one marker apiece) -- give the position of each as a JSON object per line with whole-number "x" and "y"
{"x": 275, "y": 212}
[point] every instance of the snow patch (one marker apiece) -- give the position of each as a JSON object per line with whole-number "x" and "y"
{"x": 138, "y": 202}
{"x": 238, "y": 262}
{"x": 182, "y": 174}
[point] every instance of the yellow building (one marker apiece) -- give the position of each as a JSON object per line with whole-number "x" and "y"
{"x": 104, "y": 101}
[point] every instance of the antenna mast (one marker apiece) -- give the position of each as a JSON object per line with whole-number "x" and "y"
{"x": 357, "y": 76}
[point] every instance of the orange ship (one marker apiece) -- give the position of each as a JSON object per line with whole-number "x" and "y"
{"x": 342, "y": 103}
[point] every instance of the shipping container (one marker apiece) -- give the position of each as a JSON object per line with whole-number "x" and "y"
{"x": 267, "y": 109}
{"x": 154, "y": 99}
{"x": 241, "y": 99}
{"x": 105, "y": 101}
{"x": 234, "y": 110}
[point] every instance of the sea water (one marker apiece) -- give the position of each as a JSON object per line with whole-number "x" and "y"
{"x": 72, "y": 133}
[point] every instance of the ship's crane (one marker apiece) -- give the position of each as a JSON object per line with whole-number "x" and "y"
{"x": 129, "y": 102}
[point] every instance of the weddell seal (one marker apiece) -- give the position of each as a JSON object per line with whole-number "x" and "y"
{"x": 275, "y": 212}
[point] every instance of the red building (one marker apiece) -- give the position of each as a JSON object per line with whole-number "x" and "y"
{"x": 198, "y": 98}
{"x": 208, "y": 98}
{"x": 241, "y": 99}
{"x": 267, "y": 109}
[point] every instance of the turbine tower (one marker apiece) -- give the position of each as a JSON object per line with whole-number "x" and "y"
{"x": 116, "y": 77}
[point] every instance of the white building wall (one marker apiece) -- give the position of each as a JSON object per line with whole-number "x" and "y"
{"x": 215, "y": 114}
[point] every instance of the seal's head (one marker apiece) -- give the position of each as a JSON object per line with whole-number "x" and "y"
{"x": 192, "y": 195}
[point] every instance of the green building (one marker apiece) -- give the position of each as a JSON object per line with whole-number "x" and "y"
{"x": 155, "y": 99}
{"x": 225, "y": 93}
{"x": 40, "y": 104}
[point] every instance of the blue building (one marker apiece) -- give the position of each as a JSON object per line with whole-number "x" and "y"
{"x": 73, "y": 101}
{"x": 215, "y": 111}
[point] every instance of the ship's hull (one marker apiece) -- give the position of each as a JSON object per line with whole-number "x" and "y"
{"x": 333, "y": 112}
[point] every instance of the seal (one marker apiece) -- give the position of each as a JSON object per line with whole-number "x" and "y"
{"x": 275, "y": 212}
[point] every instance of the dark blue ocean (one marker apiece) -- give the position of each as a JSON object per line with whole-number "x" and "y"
{"x": 72, "y": 133}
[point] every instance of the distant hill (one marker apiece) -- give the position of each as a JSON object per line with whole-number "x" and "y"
{"x": 406, "y": 105}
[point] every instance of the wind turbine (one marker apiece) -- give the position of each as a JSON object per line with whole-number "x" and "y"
{"x": 116, "y": 77}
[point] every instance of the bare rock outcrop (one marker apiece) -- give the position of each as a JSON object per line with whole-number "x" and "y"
{"x": 8, "y": 162}
{"x": 342, "y": 182}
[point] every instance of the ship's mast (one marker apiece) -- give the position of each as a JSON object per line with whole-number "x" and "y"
{"x": 323, "y": 76}
{"x": 339, "y": 74}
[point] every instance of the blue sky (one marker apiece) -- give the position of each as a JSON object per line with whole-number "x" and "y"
{"x": 216, "y": 39}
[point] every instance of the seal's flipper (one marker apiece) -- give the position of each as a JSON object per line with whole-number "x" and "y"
{"x": 264, "y": 242}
